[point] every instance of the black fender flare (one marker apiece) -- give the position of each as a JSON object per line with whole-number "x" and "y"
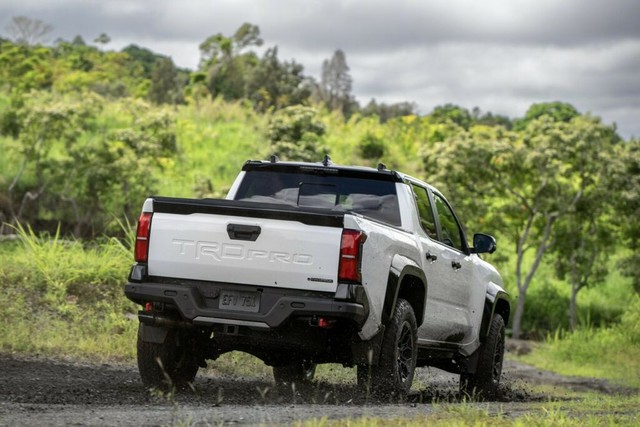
{"x": 498, "y": 303}
{"x": 401, "y": 268}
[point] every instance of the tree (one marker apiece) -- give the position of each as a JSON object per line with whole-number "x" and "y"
{"x": 80, "y": 67}
{"x": 557, "y": 111}
{"x": 123, "y": 163}
{"x": 226, "y": 65}
{"x": 564, "y": 163}
{"x": 102, "y": 39}
{"x": 78, "y": 41}
{"x": 490, "y": 119}
{"x": 41, "y": 121}
{"x": 296, "y": 134}
{"x": 228, "y": 78}
{"x": 234, "y": 71}
{"x": 386, "y": 112}
{"x": 451, "y": 113}
{"x": 109, "y": 176}
{"x": 165, "y": 87}
{"x": 196, "y": 88}
{"x": 27, "y": 31}
{"x": 218, "y": 47}
{"x": 275, "y": 84}
{"x": 523, "y": 183}
{"x": 23, "y": 68}
{"x": 625, "y": 178}
{"x": 145, "y": 57}
{"x": 371, "y": 147}
{"x": 247, "y": 35}
{"x": 583, "y": 242}
{"x": 70, "y": 170}
{"x": 335, "y": 83}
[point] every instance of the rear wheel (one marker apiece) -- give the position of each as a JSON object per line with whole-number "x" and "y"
{"x": 300, "y": 372}
{"x": 172, "y": 363}
{"x": 394, "y": 374}
{"x": 484, "y": 382}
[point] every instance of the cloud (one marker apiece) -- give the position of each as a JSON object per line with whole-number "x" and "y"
{"x": 601, "y": 79}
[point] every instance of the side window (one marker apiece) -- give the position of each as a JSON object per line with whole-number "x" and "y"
{"x": 424, "y": 210}
{"x": 451, "y": 232}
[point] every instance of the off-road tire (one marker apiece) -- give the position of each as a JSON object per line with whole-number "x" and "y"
{"x": 396, "y": 367}
{"x": 484, "y": 383}
{"x": 169, "y": 364}
{"x": 300, "y": 372}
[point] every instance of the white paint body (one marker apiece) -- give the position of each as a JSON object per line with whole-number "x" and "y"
{"x": 288, "y": 254}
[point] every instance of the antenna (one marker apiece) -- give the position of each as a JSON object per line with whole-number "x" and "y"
{"x": 274, "y": 159}
{"x": 381, "y": 166}
{"x": 327, "y": 160}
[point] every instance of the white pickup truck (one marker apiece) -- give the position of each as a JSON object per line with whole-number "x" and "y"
{"x": 308, "y": 263}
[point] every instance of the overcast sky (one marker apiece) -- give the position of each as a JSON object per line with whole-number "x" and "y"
{"x": 498, "y": 55}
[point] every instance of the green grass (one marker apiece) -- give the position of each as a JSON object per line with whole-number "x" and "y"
{"x": 610, "y": 352}
{"x": 240, "y": 364}
{"x": 214, "y": 141}
{"x": 547, "y": 301}
{"x": 588, "y": 411}
{"x": 64, "y": 298}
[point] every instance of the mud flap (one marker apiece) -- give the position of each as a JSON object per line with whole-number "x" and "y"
{"x": 368, "y": 352}
{"x": 469, "y": 365}
{"x": 152, "y": 334}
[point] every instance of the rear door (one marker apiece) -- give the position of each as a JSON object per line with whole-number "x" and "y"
{"x": 252, "y": 250}
{"x": 450, "y": 273}
{"x": 438, "y": 319}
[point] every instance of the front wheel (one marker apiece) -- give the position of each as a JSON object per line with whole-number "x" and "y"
{"x": 486, "y": 379}
{"x": 394, "y": 374}
{"x": 169, "y": 364}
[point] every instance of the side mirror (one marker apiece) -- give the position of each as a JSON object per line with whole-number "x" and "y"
{"x": 483, "y": 243}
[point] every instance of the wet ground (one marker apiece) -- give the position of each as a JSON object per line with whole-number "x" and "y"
{"x": 43, "y": 391}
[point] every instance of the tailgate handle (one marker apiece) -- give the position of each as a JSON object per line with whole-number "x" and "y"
{"x": 243, "y": 232}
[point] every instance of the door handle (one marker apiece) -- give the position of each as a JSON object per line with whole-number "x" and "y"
{"x": 430, "y": 257}
{"x": 456, "y": 265}
{"x": 249, "y": 233}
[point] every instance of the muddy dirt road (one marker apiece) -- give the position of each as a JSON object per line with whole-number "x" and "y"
{"x": 41, "y": 391}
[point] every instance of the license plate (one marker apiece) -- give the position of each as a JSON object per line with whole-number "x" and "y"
{"x": 240, "y": 301}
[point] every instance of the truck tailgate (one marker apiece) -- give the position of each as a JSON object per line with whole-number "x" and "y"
{"x": 228, "y": 241}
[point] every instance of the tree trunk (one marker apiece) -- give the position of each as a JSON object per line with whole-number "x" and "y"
{"x": 573, "y": 307}
{"x": 523, "y": 285}
{"x": 517, "y": 316}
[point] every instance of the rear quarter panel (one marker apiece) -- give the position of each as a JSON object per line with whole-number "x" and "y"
{"x": 382, "y": 245}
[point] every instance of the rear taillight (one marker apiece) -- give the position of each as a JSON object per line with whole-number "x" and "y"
{"x": 142, "y": 237}
{"x": 351, "y": 255}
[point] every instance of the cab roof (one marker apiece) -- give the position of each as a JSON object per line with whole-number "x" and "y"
{"x": 324, "y": 167}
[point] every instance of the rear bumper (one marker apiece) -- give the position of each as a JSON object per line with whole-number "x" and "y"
{"x": 198, "y": 303}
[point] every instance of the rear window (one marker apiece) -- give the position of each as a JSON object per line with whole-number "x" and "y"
{"x": 372, "y": 198}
